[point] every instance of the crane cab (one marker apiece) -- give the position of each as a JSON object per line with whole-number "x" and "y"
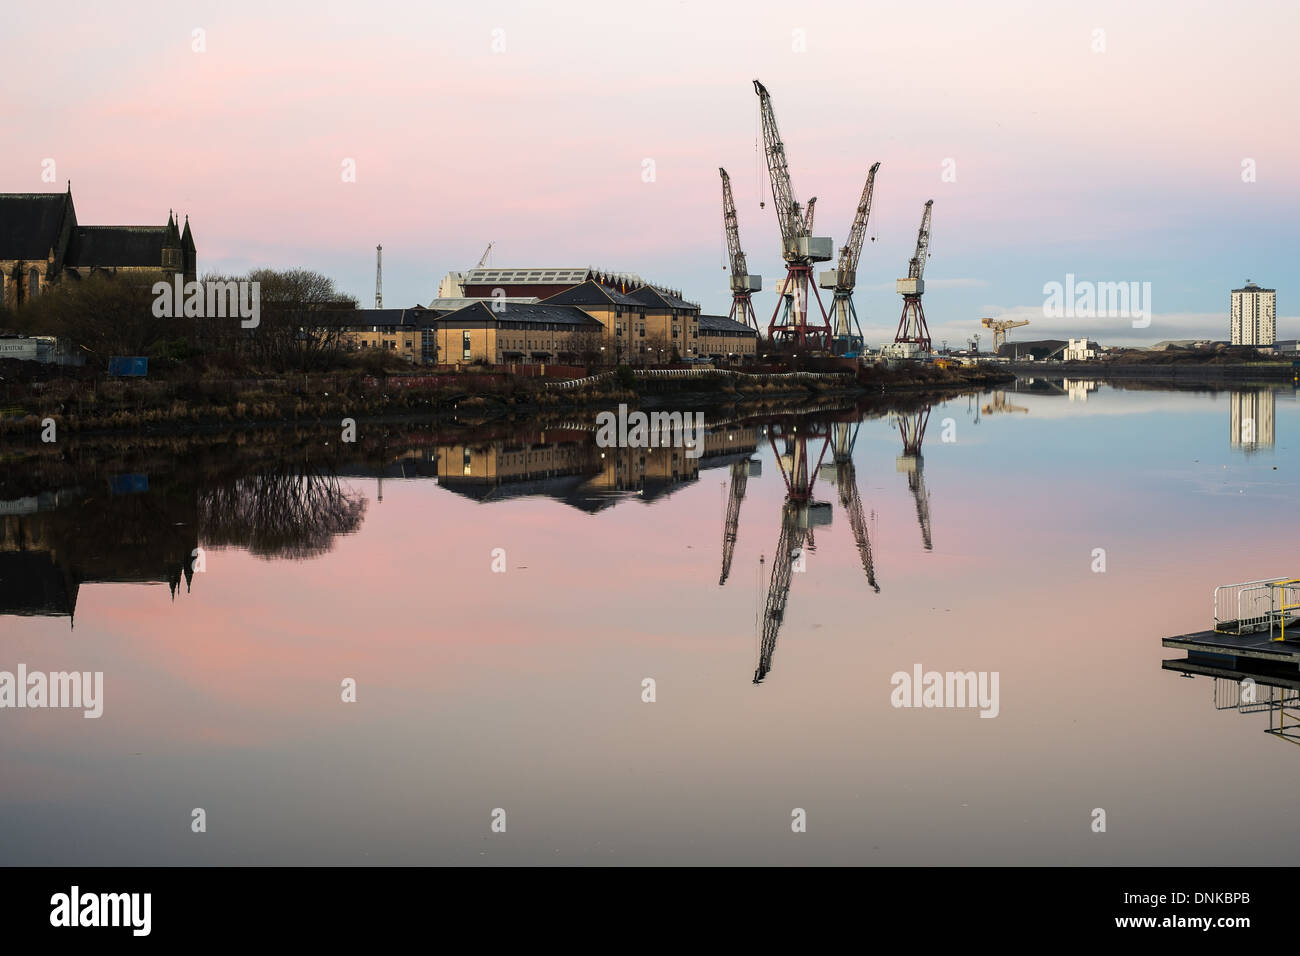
{"x": 815, "y": 248}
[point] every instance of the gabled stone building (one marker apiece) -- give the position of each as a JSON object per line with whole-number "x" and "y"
{"x": 42, "y": 244}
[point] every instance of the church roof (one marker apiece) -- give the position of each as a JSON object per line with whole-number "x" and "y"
{"x": 118, "y": 246}
{"x": 30, "y": 223}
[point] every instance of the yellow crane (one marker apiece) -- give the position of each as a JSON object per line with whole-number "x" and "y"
{"x": 1000, "y": 330}
{"x": 1000, "y": 404}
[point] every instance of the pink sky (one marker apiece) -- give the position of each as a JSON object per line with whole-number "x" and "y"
{"x": 1117, "y": 165}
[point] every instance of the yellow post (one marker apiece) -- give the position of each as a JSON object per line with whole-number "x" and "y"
{"x": 1282, "y": 605}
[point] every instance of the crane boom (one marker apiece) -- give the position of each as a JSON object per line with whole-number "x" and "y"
{"x": 482, "y": 260}
{"x": 851, "y": 501}
{"x": 788, "y": 212}
{"x": 851, "y": 252}
{"x": 735, "y": 255}
{"x": 916, "y": 268}
{"x": 743, "y": 285}
{"x": 1000, "y": 330}
{"x": 739, "y": 480}
{"x": 778, "y": 590}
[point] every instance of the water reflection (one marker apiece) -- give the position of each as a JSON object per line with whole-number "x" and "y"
{"x": 290, "y": 513}
{"x": 911, "y": 426}
{"x": 69, "y": 537}
{"x": 1250, "y": 690}
{"x": 136, "y": 530}
{"x": 633, "y": 565}
{"x": 1251, "y": 416}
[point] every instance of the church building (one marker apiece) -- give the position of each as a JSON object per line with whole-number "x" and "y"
{"x": 42, "y": 244}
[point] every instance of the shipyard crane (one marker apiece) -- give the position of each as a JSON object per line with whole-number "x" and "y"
{"x": 799, "y": 513}
{"x": 913, "y": 334}
{"x": 790, "y": 319}
{"x": 743, "y": 285}
{"x": 739, "y": 480}
{"x": 1000, "y": 404}
{"x": 379, "y": 277}
{"x": 846, "y": 480}
{"x": 810, "y": 215}
{"x": 911, "y": 425}
{"x": 845, "y": 277}
{"x": 1000, "y": 330}
{"x": 482, "y": 260}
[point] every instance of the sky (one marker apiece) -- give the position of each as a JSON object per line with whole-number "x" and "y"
{"x": 1111, "y": 141}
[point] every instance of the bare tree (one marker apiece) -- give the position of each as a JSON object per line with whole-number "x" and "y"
{"x": 103, "y": 314}
{"x": 301, "y": 323}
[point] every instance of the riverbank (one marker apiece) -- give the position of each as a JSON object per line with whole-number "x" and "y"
{"x": 80, "y": 404}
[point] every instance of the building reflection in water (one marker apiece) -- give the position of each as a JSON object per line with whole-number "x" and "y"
{"x": 565, "y": 464}
{"x": 132, "y": 531}
{"x": 1251, "y": 420}
{"x": 1079, "y": 388}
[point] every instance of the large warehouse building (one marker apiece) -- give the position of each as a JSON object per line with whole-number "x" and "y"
{"x": 513, "y": 316}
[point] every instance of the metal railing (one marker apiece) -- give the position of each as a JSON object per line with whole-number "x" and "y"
{"x": 1279, "y": 605}
{"x": 1252, "y": 606}
{"x": 1232, "y": 694}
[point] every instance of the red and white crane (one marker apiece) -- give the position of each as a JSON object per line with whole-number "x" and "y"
{"x": 790, "y": 319}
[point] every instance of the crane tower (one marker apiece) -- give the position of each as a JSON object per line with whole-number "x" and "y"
{"x": 913, "y": 334}
{"x": 790, "y": 319}
{"x": 1000, "y": 330}
{"x": 799, "y": 515}
{"x": 743, "y": 285}
{"x": 845, "y": 277}
{"x": 379, "y": 277}
{"x": 911, "y": 426}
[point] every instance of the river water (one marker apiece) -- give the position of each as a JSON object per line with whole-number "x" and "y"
{"x": 505, "y": 604}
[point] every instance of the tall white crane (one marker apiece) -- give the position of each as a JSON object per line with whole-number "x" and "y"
{"x": 379, "y": 277}
{"x": 912, "y": 330}
{"x": 845, "y": 277}
{"x": 743, "y": 285}
{"x": 798, "y": 247}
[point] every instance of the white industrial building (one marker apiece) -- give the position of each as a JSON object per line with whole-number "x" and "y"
{"x": 1254, "y": 315}
{"x": 1080, "y": 350}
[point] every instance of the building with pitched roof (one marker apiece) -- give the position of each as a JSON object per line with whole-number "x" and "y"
{"x": 506, "y": 332}
{"x": 726, "y": 340}
{"x": 42, "y": 244}
{"x": 404, "y": 331}
{"x": 641, "y": 325}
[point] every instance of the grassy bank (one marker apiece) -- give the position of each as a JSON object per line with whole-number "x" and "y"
{"x": 81, "y": 403}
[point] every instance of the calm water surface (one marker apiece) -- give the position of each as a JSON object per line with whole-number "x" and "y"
{"x": 522, "y": 689}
